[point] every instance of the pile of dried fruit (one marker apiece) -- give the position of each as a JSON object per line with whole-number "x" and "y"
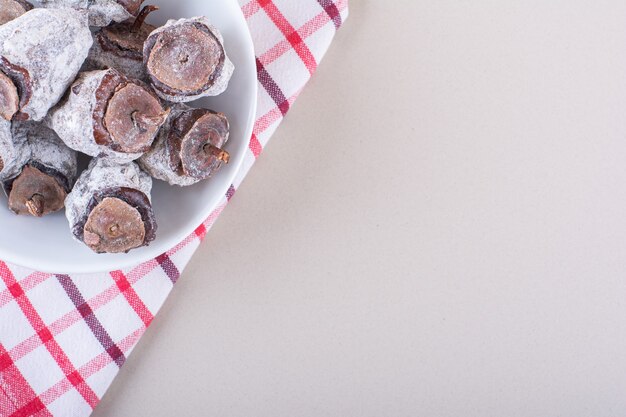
{"x": 116, "y": 94}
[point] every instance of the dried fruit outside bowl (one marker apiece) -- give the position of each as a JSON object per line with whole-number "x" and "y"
{"x": 46, "y": 244}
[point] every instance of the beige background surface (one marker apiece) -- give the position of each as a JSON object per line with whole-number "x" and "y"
{"x": 436, "y": 230}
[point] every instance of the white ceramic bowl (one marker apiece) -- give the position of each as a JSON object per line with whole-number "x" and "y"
{"x": 46, "y": 244}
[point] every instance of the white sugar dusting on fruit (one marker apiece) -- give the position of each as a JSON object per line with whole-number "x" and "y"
{"x": 99, "y": 59}
{"x": 14, "y": 152}
{"x": 220, "y": 83}
{"x": 101, "y": 12}
{"x": 73, "y": 119}
{"x": 156, "y": 161}
{"x": 52, "y": 46}
{"x": 47, "y": 149}
{"x": 103, "y": 174}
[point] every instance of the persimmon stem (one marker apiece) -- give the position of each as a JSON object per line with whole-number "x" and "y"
{"x": 220, "y": 154}
{"x": 36, "y": 205}
{"x": 141, "y": 18}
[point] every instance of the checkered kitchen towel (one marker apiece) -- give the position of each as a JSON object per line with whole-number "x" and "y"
{"x": 64, "y": 338}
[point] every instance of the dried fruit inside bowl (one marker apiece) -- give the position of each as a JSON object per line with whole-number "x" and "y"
{"x": 189, "y": 148}
{"x": 108, "y": 115}
{"x": 186, "y": 60}
{"x": 46, "y": 174}
{"x": 109, "y": 209}
{"x": 120, "y": 46}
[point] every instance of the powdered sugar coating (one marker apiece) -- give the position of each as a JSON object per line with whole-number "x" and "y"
{"x": 14, "y": 152}
{"x": 220, "y": 84}
{"x": 99, "y": 59}
{"x": 52, "y": 46}
{"x": 103, "y": 174}
{"x": 101, "y": 12}
{"x": 72, "y": 119}
{"x": 156, "y": 161}
{"x": 47, "y": 148}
